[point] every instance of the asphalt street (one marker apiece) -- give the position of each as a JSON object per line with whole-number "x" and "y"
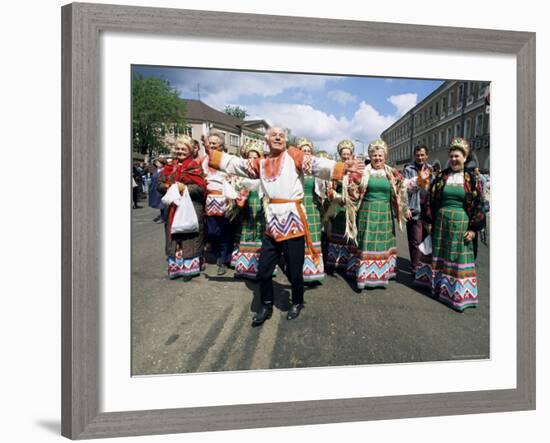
{"x": 204, "y": 325}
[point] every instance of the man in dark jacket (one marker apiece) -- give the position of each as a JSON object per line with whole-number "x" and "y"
{"x": 415, "y": 227}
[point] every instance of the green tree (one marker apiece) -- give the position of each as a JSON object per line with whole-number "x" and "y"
{"x": 291, "y": 138}
{"x": 157, "y": 110}
{"x": 236, "y": 111}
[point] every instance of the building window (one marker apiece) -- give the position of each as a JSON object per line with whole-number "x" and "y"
{"x": 441, "y": 135}
{"x": 449, "y": 136}
{"x": 436, "y": 109}
{"x": 479, "y": 125}
{"x": 481, "y": 91}
{"x": 434, "y": 137}
{"x": 457, "y": 130}
{"x": 468, "y": 128}
{"x": 233, "y": 140}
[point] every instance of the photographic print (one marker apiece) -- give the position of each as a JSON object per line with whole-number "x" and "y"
{"x": 289, "y": 220}
{"x": 188, "y": 321}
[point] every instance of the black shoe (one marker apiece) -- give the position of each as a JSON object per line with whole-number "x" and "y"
{"x": 294, "y": 311}
{"x": 187, "y": 278}
{"x": 222, "y": 269}
{"x": 262, "y": 315}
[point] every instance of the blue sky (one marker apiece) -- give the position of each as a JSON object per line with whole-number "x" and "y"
{"x": 326, "y": 109}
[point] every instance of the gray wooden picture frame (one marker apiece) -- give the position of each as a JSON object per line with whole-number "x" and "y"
{"x": 81, "y": 207}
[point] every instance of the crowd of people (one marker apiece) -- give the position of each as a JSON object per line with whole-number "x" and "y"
{"x": 319, "y": 215}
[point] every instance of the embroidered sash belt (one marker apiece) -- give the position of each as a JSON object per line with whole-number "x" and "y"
{"x": 303, "y": 217}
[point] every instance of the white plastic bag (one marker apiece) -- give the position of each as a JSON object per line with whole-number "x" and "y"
{"x": 185, "y": 219}
{"x": 426, "y": 246}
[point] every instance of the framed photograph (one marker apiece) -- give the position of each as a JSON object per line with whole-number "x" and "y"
{"x": 147, "y": 354}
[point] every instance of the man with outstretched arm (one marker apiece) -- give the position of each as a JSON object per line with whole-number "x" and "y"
{"x": 281, "y": 177}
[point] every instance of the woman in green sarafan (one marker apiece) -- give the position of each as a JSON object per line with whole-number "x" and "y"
{"x": 314, "y": 270}
{"x": 380, "y": 200}
{"x": 338, "y": 248}
{"x": 252, "y": 227}
{"x": 456, "y": 209}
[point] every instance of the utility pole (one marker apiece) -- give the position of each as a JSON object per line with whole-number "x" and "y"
{"x": 199, "y": 91}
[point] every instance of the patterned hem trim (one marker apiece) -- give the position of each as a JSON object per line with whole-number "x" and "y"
{"x": 458, "y": 293}
{"x": 313, "y": 268}
{"x": 246, "y": 263}
{"x": 178, "y": 267}
{"x": 372, "y": 272}
{"x": 459, "y": 306}
{"x": 338, "y": 256}
{"x": 423, "y": 276}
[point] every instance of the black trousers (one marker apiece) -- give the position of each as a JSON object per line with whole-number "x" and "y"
{"x": 293, "y": 252}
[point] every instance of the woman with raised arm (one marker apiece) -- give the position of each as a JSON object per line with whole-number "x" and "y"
{"x": 455, "y": 207}
{"x": 246, "y": 256}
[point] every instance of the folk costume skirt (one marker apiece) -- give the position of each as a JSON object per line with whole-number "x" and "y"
{"x": 184, "y": 251}
{"x": 246, "y": 255}
{"x": 373, "y": 261}
{"x": 313, "y": 268}
{"x": 451, "y": 272}
{"x": 338, "y": 249}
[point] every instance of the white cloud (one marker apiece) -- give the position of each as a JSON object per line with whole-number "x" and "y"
{"x": 341, "y": 97}
{"x": 325, "y": 130}
{"x": 368, "y": 123}
{"x": 219, "y": 88}
{"x": 403, "y": 102}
